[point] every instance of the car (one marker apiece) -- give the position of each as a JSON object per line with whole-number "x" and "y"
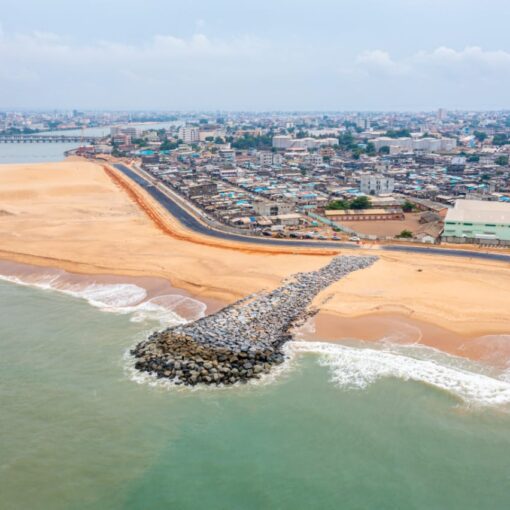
{"x": 354, "y": 239}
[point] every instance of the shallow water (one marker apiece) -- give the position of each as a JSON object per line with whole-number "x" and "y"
{"x": 338, "y": 428}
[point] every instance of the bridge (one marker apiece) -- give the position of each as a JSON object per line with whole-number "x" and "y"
{"x": 48, "y": 139}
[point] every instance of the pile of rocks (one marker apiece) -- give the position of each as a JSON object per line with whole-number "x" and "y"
{"x": 243, "y": 340}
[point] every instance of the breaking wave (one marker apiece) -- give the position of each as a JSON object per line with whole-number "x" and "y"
{"x": 119, "y": 298}
{"x": 356, "y": 368}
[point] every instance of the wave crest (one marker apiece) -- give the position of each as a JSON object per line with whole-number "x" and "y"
{"x": 358, "y": 368}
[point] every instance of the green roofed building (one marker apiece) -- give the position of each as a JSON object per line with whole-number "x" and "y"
{"x": 478, "y": 221}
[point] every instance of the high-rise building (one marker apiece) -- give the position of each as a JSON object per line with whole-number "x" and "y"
{"x": 189, "y": 134}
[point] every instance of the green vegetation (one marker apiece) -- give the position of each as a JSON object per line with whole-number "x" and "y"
{"x": 481, "y": 136}
{"x": 18, "y": 131}
{"x": 408, "y": 207}
{"x": 371, "y": 149}
{"x": 398, "y": 133}
{"x": 405, "y": 234}
{"x": 346, "y": 141}
{"x": 502, "y": 161}
{"x": 474, "y": 158}
{"x": 500, "y": 139}
{"x": 384, "y": 149}
{"x": 139, "y": 142}
{"x": 248, "y": 141}
{"x": 358, "y": 203}
{"x": 167, "y": 145}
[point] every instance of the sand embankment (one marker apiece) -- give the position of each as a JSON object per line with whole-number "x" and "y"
{"x": 74, "y": 216}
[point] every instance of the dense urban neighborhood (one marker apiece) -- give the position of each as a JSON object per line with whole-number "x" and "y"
{"x": 423, "y": 177}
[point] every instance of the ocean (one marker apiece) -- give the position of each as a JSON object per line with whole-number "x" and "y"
{"x": 353, "y": 425}
{"x": 350, "y": 426}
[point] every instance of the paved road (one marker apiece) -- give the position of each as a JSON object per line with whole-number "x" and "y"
{"x": 189, "y": 221}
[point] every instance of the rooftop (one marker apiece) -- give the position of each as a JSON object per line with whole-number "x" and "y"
{"x": 479, "y": 211}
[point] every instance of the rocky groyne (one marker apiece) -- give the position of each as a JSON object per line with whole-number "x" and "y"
{"x": 243, "y": 340}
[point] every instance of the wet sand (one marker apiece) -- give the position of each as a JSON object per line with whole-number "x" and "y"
{"x": 398, "y": 329}
{"x": 74, "y": 216}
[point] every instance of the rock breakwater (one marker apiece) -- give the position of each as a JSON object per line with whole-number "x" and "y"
{"x": 244, "y": 340}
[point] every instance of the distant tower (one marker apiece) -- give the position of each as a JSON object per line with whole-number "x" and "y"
{"x": 441, "y": 114}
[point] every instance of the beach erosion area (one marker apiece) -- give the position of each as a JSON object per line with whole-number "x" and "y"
{"x": 76, "y": 228}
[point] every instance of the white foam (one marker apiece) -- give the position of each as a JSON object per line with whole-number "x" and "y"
{"x": 357, "y": 368}
{"x": 119, "y": 298}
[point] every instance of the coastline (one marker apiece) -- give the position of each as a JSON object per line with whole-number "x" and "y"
{"x": 73, "y": 217}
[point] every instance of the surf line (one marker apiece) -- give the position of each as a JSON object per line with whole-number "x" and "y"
{"x": 244, "y": 340}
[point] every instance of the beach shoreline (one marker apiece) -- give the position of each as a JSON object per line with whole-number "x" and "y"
{"x": 71, "y": 216}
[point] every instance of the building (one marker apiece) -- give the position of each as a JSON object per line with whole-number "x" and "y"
{"x": 478, "y": 221}
{"x": 132, "y": 132}
{"x": 267, "y": 158}
{"x": 189, "y": 134}
{"x": 427, "y": 144}
{"x": 365, "y": 215}
{"x": 228, "y": 155}
{"x": 373, "y": 184}
{"x": 457, "y": 165}
{"x": 268, "y": 208}
{"x": 203, "y": 188}
{"x": 282, "y": 141}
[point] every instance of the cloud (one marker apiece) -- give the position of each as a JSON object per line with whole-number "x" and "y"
{"x": 443, "y": 62}
{"x": 378, "y": 61}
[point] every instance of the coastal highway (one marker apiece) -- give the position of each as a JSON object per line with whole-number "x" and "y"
{"x": 191, "y": 222}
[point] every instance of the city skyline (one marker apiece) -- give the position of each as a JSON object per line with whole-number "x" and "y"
{"x": 404, "y": 55}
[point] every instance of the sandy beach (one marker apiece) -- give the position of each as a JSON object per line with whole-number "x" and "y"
{"x": 74, "y": 216}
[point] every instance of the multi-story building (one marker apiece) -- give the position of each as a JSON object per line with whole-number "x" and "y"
{"x": 268, "y": 208}
{"x": 373, "y": 184}
{"x": 189, "y": 134}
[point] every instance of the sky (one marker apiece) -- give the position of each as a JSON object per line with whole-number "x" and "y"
{"x": 335, "y": 55}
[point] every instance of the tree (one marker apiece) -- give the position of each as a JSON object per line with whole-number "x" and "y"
{"x": 405, "y": 234}
{"x": 384, "y": 149}
{"x": 346, "y": 140}
{"x": 502, "y": 161}
{"x": 371, "y": 149}
{"x": 500, "y": 139}
{"x": 474, "y": 158}
{"x": 408, "y": 206}
{"x": 219, "y": 140}
{"x": 362, "y": 202}
{"x": 338, "y": 205}
{"x": 167, "y": 145}
{"x": 398, "y": 133}
{"x": 481, "y": 136}
{"x": 140, "y": 142}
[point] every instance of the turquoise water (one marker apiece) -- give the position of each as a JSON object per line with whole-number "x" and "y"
{"x": 78, "y": 433}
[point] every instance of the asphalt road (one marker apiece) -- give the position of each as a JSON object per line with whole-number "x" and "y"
{"x": 189, "y": 221}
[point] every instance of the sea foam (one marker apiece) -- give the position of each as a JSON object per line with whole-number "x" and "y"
{"x": 356, "y": 368}
{"x": 119, "y": 298}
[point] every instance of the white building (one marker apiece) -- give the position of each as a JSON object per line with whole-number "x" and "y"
{"x": 267, "y": 158}
{"x": 282, "y": 141}
{"x": 373, "y": 184}
{"x": 428, "y": 144}
{"x": 189, "y": 134}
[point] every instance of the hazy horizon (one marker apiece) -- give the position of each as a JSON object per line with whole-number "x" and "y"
{"x": 397, "y": 55}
